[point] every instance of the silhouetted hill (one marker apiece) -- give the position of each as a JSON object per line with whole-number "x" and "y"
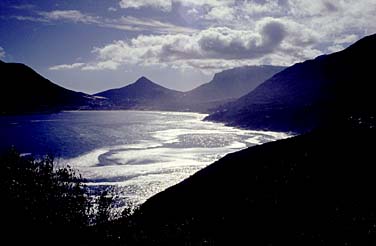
{"x": 314, "y": 189}
{"x": 310, "y": 94}
{"x": 25, "y": 91}
{"x": 142, "y": 94}
{"x": 232, "y": 83}
{"x": 226, "y": 86}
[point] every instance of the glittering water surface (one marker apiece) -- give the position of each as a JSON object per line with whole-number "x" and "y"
{"x": 141, "y": 153}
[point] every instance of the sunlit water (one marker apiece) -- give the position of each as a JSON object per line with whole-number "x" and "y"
{"x": 140, "y": 153}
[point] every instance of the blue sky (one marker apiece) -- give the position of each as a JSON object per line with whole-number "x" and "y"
{"x": 92, "y": 45}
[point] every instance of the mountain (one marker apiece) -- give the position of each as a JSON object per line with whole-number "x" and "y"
{"x": 310, "y": 94}
{"x": 232, "y": 83}
{"x": 143, "y": 94}
{"x": 313, "y": 189}
{"x": 226, "y": 86}
{"x": 25, "y": 91}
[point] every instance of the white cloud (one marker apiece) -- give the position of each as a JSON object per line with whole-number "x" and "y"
{"x": 210, "y": 3}
{"x": 30, "y": 18}
{"x": 67, "y": 66}
{"x": 303, "y": 8}
{"x": 335, "y": 48}
{"x": 337, "y": 23}
{"x": 166, "y": 5}
{"x": 232, "y": 33}
{"x": 260, "y": 8}
{"x": 127, "y": 23}
{"x": 2, "y": 52}
{"x": 112, "y": 9}
{"x": 59, "y": 15}
{"x": 103, "y": 65}
{"x": 143, "y": 24}
{"x": 213, "y": 48}
{"x": 69, "y": 15}
{"x": 346, "y": 39}
{"x": 330, "y": 18}
{"x": 223, "y": 13}
{"x": 193, "y": 12}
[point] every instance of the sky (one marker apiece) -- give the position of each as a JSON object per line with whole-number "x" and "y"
{"x": 93, "y": 45}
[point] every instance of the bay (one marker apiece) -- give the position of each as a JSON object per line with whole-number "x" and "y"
{"x": 139, "y": 153}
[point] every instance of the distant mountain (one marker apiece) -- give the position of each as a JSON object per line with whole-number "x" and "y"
{"x": 310, "y": 94}
{"x": 143, "y": 94}
{"x": 226, "y": 86}
{"x": 232, "y": 83}
{"x": 25, "y": 91}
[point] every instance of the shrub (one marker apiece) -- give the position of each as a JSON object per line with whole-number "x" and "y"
{"x": 40, "y": 203}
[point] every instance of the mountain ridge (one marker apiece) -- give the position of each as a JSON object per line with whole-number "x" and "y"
{"x": 225, "y": 86}
{"x": 233, "y": 83}
{"x": 308, "y": 94}
{"x": 26, "y": 91}
{"x": 142, "y": 94}
{"x": 39, "y": 94}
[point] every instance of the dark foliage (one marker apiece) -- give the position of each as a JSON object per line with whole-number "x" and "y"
{"x": 45, "y": 205}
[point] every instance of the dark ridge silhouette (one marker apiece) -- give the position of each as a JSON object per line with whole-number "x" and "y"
{"x": 310, "y": 94}
{"x": 25, "y": 91}
{"x": 226, "y": 86}
{"x": 142, "y": 94}
{"x": 314, "y": 189}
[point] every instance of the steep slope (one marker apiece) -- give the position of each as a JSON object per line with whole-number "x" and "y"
{"x": 232, "y": 83}
{"x": 310, "y": 94}
{"x": 25, "y": 91}
{"x": 143, "y": 94}
{"x": 314, "y": 189}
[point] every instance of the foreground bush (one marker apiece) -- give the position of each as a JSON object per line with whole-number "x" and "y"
{"x": 40, "y": 203}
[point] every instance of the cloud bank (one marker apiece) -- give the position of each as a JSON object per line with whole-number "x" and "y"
{"x": 126, "y": 23}
{"x": 213, "y": 48}
{"x": 69, "y": 15}
{"x": 230, "y": 33}
{"x": 67, "y": 66}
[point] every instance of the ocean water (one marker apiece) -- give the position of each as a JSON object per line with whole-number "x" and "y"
{"x": 139, "y": 153}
